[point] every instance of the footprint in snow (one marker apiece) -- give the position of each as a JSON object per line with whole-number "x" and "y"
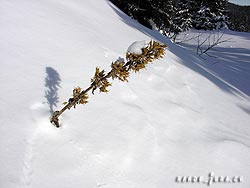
{"x": 40, "y": 115}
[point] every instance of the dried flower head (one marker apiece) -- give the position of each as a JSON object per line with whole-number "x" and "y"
{"x": 119, "y": 70}
{"x": 100, "y": 81}
{"x": 154, "y": 50}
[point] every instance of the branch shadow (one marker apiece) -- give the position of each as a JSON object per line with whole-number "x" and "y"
{"x": 52, "y": 84}
{"x": 232, "y": 65}
{"x": 194, "y": 62}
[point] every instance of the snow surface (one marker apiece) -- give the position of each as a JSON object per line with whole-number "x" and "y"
{"x": 230, "y": 60}
{"x": 176, "y": 118}
{"x": 136, "y": 47}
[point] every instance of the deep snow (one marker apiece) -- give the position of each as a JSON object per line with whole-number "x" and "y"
{"x": 176, "y": 118}
{"x": 229, "y": 60}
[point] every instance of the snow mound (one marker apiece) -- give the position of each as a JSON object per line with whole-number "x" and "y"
{"x": 136, "y": 47}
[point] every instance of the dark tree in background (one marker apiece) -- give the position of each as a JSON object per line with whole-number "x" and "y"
{"x": 150, "y": 13}
{"x": 204, "y": 18}
{"x": 239, "y": 17}
{"x": 157, "y": 14}
{"x": 220, "y": 9}
{"x": 139, "y": 10}
{"x": 162, "y": 15}
{"x": 210, "y": 14}
{"x": 171, "y": 17}
{"x": 182, "y": 20}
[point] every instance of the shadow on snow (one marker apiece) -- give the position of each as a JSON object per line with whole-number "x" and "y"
{"x": 235, "y": 87}
{"x": 52, "y": 84}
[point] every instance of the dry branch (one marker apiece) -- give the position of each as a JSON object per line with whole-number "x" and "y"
{"x": 119, "y": 69}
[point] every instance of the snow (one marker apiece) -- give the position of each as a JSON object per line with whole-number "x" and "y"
{"x": 178, "y": 117}
{"x": 230, "y": 60}
{"x": 135, "y": 47}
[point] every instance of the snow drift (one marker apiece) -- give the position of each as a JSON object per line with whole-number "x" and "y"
{"x": 173, "y": 119}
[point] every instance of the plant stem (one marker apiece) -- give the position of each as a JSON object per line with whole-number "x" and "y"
{"x": 154, "y": 50}
{"x": 73, "y": 101}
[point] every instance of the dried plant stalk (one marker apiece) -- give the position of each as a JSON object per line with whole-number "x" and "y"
{"x": 119, "y": 69}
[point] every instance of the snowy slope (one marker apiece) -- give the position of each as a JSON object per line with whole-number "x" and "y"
{"x": 172, "y": 119}
{"x": 229, "y": 60}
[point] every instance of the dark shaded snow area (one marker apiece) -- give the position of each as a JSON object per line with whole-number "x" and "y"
{"x": 229, "y": 60}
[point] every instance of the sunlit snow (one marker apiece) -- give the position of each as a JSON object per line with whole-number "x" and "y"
{"x": 181, "y": 116}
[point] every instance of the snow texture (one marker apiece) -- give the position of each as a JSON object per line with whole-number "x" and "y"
{"x": 136, "y": 47}
{"x": 181, "y": 116}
